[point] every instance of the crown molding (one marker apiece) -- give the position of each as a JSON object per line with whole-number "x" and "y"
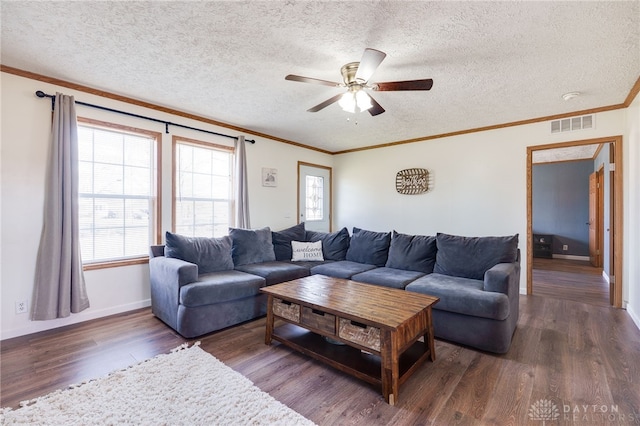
{"x": 51, "y": 80}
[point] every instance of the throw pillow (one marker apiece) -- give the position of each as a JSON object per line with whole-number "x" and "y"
{"x": 334, "y": 244}
{"x": 282, "y": 240}
{"x": 369, "y": 247}
{"x": 251, "y": 246}
{"x": 210, "y": 254}
{"x": 471, "y": 257}
{"x": 412, "y": 252}
{"x": 306, "y": 251}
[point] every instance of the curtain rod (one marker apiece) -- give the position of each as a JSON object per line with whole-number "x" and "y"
{"x": 41, "y": 94}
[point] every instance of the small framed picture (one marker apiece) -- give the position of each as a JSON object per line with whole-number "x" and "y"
{"x": 269, "y": 177}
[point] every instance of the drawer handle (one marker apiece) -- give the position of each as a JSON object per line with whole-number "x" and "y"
{"x": 317, "y": 312}
{"x": 285, "y": 302}
{"x": 358, "y": 324}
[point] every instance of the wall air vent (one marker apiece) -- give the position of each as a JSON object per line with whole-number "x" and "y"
{"x": 571, "y": 124}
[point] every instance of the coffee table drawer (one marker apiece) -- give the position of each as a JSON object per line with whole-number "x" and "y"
{"x": 362, "y": 334}
{"x": 285, "y": 309}
{"x": 318, "y": 319}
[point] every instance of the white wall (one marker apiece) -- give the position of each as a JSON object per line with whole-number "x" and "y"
{"x": 632, "y": 210}
{"x": 24, "y": 139}
{"x": 478, "y": 188}
{"x": 478, "y": 185}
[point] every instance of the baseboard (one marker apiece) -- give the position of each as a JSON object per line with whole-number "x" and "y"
{"x": 38, "y": 326}
{"x": 634, "y": 316}
{"x": 571, "y": 257}
{"x": 606, "y": 277}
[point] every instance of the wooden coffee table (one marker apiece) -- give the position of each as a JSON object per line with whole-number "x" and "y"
{"x": 378, "y": 327}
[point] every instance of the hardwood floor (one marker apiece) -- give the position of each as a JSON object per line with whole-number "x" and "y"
{"x": 571, "y": 280}
{"x": 582, "y": 357}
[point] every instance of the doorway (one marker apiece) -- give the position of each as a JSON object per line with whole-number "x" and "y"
{"x": 314, "y": 196}
{"x": 615, "y": 209}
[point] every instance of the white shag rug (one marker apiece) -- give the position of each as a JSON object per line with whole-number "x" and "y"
{"x": 185, "y": 387}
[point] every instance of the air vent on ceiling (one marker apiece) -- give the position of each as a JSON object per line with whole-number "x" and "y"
{"x": 571, "y": 124}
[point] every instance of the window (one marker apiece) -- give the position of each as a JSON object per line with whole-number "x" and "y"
{"x": 314, "y": 202}
{"x": 118, "y": 168}
{"x": 202, "y": 188}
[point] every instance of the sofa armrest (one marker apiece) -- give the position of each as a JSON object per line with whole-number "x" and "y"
{"x": 503, "y": 278}
{"x": 167, "y": 275}
{"x": 170, "y": 272}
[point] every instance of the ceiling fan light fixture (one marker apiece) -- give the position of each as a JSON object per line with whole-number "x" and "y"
{"x": 348, "y": 102}
{"x": 363, "y": 100}
{"x": 355, "y": 101}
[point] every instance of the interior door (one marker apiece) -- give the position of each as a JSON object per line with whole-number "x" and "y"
{"x": 593, "y": 219}
{"x": 314, "y": 196}
{"x": 600, "y": 219}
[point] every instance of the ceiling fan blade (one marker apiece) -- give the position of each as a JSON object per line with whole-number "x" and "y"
{"x": 376, "y": 109}
{"x": 326, "y": 103}
{"x": 370, "y": 61}
{"x": 301, "y": 79}
{"x": 425, "y": 84}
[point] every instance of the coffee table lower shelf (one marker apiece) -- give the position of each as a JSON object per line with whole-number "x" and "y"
{"x": 353, "y": 361}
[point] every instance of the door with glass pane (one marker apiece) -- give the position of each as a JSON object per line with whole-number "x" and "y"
{"x": 314, "y": 196}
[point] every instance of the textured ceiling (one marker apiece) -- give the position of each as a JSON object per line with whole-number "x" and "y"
{"x": 491, "y": 62}
{"x": 568, "y": 153}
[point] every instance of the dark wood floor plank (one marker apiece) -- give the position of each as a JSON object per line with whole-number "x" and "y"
{"x": 569, "y": 349}
{"x": 472, "y": 394}
{"x": 512, "y": 392}
{"x": 626, "y": 405}
{"x": 591, "y": 385}
{"x": 431, "y": 388}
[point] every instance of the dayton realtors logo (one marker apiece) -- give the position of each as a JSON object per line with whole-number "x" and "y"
{"x": 544, "y": 410}
{"x": 547, "y": 411}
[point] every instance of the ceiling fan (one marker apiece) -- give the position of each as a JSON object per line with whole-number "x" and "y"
{"x": 356, "y": 77}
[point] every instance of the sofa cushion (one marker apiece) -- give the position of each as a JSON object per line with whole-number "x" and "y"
{"x": 471, "y": 257}
{"x": 306, "y": 250}
{"x": 251, "y": 246}
{"x": 210, "y": 254}
{"x": 219, "y": 287}
{"x": 275, "y": 272}
{"x": 369, "y": 247}
{"x": 282, "y": 240}
{"x": 341, "y": 269}
{"x": 462, "y": 296}
{"x": 308, "y": 264}
{"x": 334, "y": 244}
{"x": 388, "y": 277}
{"x": 412, "y": 252}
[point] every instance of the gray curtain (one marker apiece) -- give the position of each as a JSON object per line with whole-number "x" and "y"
{"x": 59, "y": 287}
{"x": 241, "y": 185}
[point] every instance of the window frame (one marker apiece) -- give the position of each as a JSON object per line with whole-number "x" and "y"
{"x": 156, "y": 183}
{"x": 176, "y": 139}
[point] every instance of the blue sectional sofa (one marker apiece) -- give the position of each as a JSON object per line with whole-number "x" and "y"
{"x": 200, "y": 285}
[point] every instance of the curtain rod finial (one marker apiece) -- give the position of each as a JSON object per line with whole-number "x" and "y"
{"x": 41, "y": 94}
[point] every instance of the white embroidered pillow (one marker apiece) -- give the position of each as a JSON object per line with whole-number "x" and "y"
{"x": 306, "y": 251}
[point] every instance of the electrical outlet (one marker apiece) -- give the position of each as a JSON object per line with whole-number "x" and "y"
{"x": 565, "y": 247}
{"x": 22, "y": 307}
